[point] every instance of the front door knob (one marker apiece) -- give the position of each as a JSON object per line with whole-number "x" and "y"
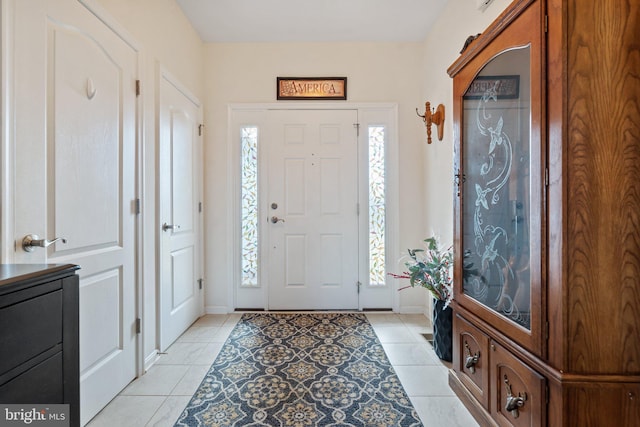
{"x": 275, "y": 219}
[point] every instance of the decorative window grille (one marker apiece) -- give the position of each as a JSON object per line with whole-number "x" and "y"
{"x": 377, "y": 269}
{"x": 249, "y": 184}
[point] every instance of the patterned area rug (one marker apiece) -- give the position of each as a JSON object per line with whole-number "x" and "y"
{"x": 301, "y": 370}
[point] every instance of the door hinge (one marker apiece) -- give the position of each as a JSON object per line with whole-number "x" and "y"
{"x": 200, "y": 283}
{"x": 200, "y": 126}
{"x": 358, "y": 284}
{"x": 137, "y": 207}
{"x": 358, "y": 209}
{"x": 138, "y": 325}
{"x": 357, "y": 126}
{"x": 137, "y": 87}
{"x": 546, "y": 23}
{"x": 199, "y": 207}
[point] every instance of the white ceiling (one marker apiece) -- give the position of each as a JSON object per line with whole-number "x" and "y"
{"x": 312, "y": 20}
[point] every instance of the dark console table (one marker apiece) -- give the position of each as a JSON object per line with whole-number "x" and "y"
{"x": 39, "y": 361}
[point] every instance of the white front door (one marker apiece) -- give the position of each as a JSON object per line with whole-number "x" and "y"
{"x": 312, "y": 209}
{"x": 74, "y": 142}
{"x": 180, "y": 171}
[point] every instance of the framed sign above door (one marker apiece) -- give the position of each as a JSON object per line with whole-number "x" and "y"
{"x": 312, "y": 88}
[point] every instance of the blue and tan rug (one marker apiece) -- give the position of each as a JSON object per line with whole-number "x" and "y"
{"x": 301, "y": 370}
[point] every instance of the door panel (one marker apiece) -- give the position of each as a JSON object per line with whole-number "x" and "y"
{"x": 100, "y": 315}
{"x": 180, "y": 171}
{"x": 91, "y": 155}
{"x": 313, "y": 250}
{"x": 75, "y": 149}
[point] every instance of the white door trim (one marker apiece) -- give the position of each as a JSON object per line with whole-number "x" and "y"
{"x": 392, "y": 213}
{"x": 162, "y": 74}
{"x": 7, "y": 155}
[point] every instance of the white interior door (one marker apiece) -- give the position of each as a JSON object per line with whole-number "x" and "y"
{"x": 74, "y": 145}
{"x": 180, "y": 159}
{"x": 312, "y": 209}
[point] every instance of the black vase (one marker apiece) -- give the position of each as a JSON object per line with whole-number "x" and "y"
{"x": 442, "y": 330}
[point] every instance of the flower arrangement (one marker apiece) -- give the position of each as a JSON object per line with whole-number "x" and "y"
{"x": 431, "y": 268}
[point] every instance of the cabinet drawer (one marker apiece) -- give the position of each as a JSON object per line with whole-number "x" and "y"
{"x": 41, "y": 384}
{"x": 471, "y": 359}
{"x": 29, "y": 328}
{"x": 518, "y": 392}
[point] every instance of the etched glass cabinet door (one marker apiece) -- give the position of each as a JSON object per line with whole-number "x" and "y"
{"x": 499, "y": 187}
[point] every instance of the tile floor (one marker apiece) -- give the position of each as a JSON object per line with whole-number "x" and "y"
{"x": 158, "y": 397}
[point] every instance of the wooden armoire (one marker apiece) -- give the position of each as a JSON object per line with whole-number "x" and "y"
{"x": 547, "y": 216}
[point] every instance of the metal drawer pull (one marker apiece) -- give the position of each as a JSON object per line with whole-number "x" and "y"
{"x": 471, "y": 360}
{"x": 514, "y": 402}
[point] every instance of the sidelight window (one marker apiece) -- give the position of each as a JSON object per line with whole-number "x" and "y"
{"x": 249, "y": 185}
{"x": 377, "y": 270}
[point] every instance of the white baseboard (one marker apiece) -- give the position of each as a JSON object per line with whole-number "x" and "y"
{"x": 151, "y": 359}
{"x": 216, "y": 309}
{"x": 412, "y": 309}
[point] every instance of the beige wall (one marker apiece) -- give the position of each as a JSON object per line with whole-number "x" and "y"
{"x": 404, "y": 73}
{"x": 458, "y": 21}
{"x": 246, "y": 73}
{"x": 163, "y": 37}
{"x": 219, "y": 74}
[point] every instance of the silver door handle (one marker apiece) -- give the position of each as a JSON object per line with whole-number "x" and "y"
{"x": 275, "y": 219}
{"x": 166, "y": 227}
{"x": 32, "y": 241}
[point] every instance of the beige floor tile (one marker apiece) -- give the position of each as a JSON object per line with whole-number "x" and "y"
{"x": 128, "y": 411}
{"x": 232, "y": 319}
{"x": 182, "y": 353}
{"x": 159, "y": 380}
{"x": 168, "y": 413}
{"x": 409, "y": 354}
{"x": 384, "y": 319}
{"x": 208, "y": 354}
{"x": 415, "y": 320}
{"x": 199, "y": 334}
{"x": 211, "y": 320}
{"x": 443, "y": 411}
{"x": 424, "y": 380}
{"x": 191, "y": 380}
{"x": 394, "y": 334}
{"x": 223, "y": 333}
